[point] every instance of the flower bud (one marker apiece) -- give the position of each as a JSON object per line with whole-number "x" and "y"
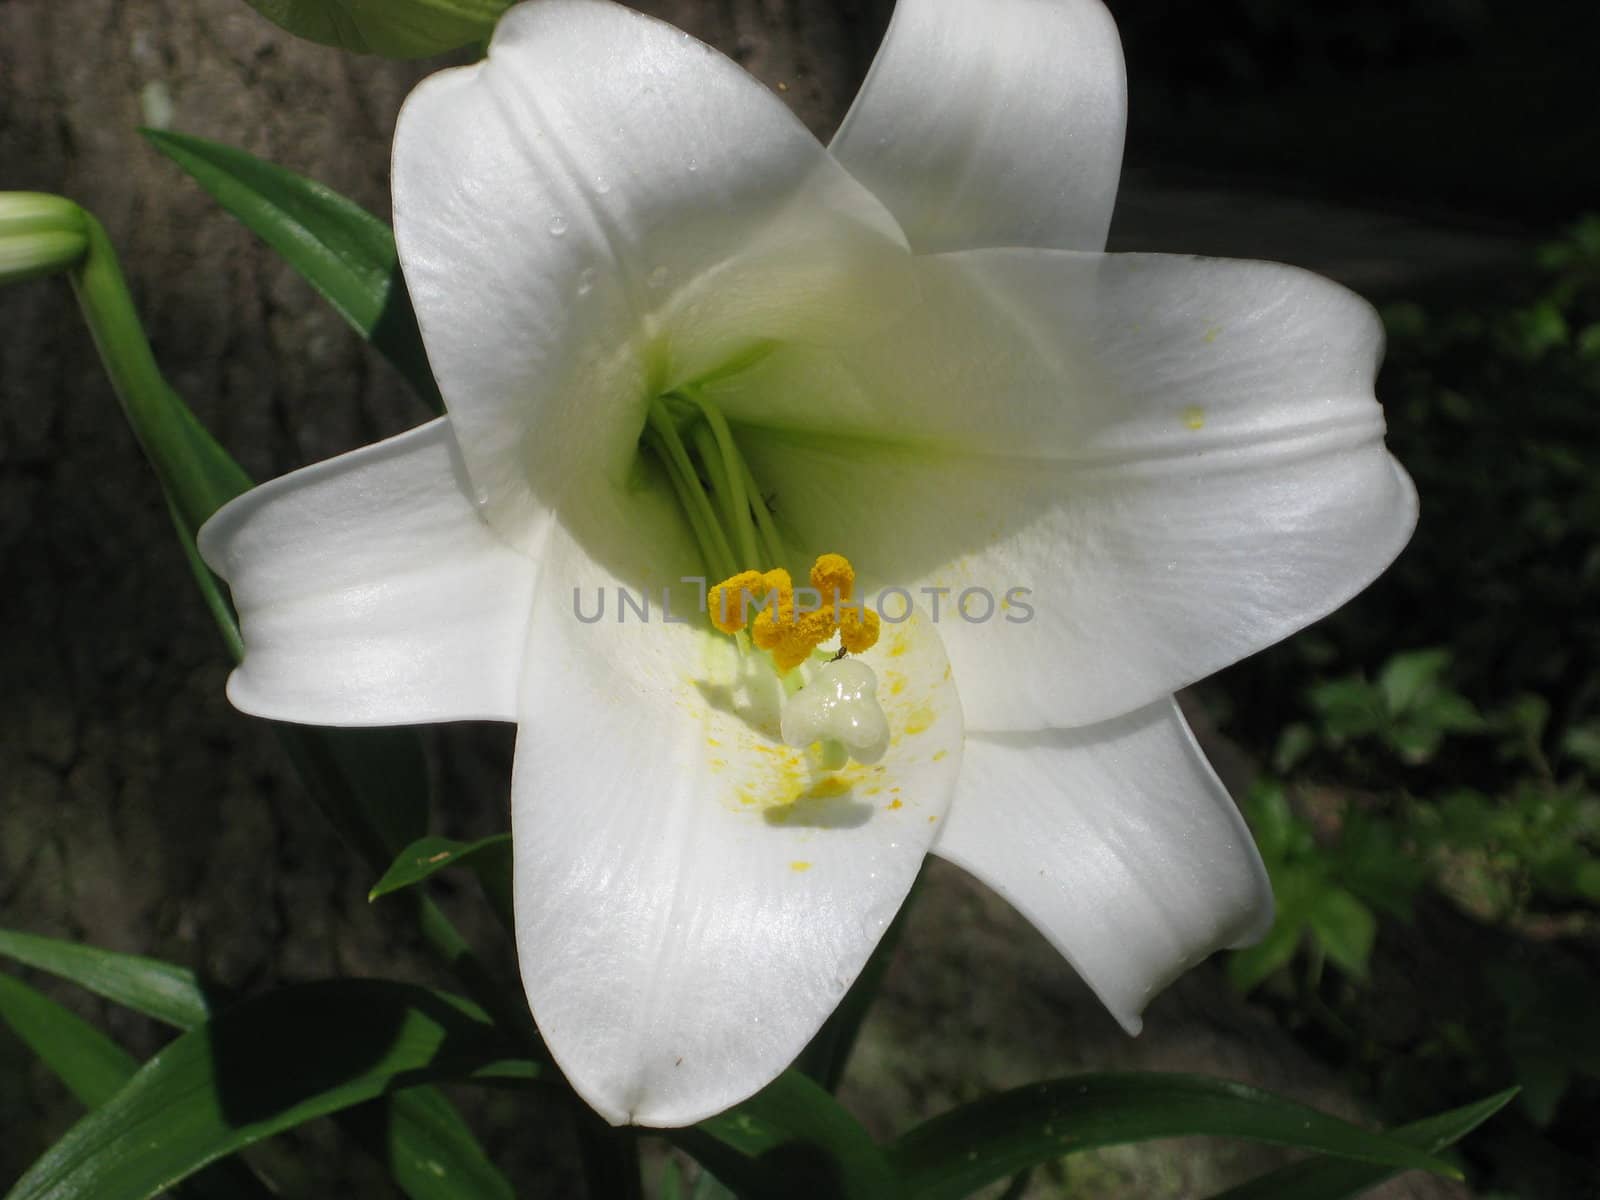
{"x": 39, "y": 235}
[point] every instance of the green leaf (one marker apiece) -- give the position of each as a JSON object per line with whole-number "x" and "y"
{"x": 1294, "y": 743}
{"x": 1408, "y": 677}
{"x": 1338, "y": 1179}
{"x": 94, "y": 1069}
{"x": 392, "y": 28}
{"x": 954, "y": 1154}
{"x": 1247, "y": 968}
{"x": 1582, "y": 742}
{"x": 430, "y": 1151}
{"x": 1295, "y": 889}
{"x": 1271, "y": 819}
{"x": 1350, "y": 707}
{"x": 340, "y": 248}
{"x": 1346, "y": 928}
{"x": 489, "y": 859}
{"x": 791, "y": 1139}
{"x": 168, "y": 993}
{"x": 259, "y": 1068}
{"x": 91, "y": 1065}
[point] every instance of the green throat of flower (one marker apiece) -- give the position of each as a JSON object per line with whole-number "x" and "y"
{"x": 836, "y": 708}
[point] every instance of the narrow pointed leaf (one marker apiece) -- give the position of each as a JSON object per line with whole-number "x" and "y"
{"x": 168, "y": 993}
{"x": 791, "y": 1139}
{"x": 90, "y": 1064}
{"x": 392, "y": 28}
{"x": 489, "y": 859}
{"x": 979, "y": 1143}
{"x": 260, "y": 1068}
{"x": 1336, "y": 1179}
{"x": 94, "y": 1069}
{"x": 430, "y": 1151}
{"x": 340, "y": 248}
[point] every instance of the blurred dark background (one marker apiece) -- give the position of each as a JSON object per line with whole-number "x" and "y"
{"x": 1421, "y": 760}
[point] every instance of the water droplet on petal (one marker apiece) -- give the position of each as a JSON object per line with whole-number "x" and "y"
{"x": 586, "y": 279}
{"x": 602, "y": 184}
{"x": 558, "y": 225}
{"x": 694, "y": 164}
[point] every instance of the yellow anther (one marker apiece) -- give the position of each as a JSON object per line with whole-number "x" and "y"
{"x": 778, "y": 627}
{"x": 858, "y": 629}
{"x": 728, "y": 601}
{"x": 834, "y": 577}
{"x": 797, "y": 639}
{"x": 777, "y": 609}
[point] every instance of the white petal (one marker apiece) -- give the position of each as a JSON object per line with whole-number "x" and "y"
{"x": 370, "y": 592}
{"x": 692, "y": 898}
{"x": 1118, "y": 842}
{"x": 601, "y": 210}
{"x": 1180, "y": 460}
{"x": 997, "y": 123}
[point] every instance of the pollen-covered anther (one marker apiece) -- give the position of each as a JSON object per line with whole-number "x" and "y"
{"x": 728, "y": 603}
{"x": 833, "y": 577}
{"x": 859, "y": 627}
{"x": 798, "y": 638}
{"x": 782, "y": 627}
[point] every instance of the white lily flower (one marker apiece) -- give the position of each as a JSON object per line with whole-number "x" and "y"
{"x": 926, "y": 363}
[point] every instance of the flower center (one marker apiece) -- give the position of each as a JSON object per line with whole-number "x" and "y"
{"x": 733, "y": 526}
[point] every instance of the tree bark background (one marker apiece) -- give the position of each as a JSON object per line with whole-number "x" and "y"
{"x": 142, "y": 814}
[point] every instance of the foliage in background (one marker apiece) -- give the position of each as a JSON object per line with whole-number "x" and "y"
{"x": 1468, "y": 768}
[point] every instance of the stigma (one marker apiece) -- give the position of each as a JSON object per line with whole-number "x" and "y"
{"x": 840, "y": 706}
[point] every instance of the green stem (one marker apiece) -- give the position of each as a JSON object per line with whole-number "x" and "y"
{"x": 164, "y": 426}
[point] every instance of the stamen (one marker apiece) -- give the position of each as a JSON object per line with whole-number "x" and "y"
{"x": 732, "y": 462}
{"x": 669, "y": 448}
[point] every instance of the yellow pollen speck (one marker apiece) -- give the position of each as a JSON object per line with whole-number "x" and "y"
{"x": 900, "y": 646}
{"x": 1211, "y": 334}
{"x": 800, "y": 866}
{"x": 1194, "y": 417}
{"x": 941, "y": 754}
{"x": 896, "y": 804}
{"x": 931, "y": 820}
{"x": 919, "y": 720}
{"x": 897, "y": 684}
{"x": 833, "y": 785}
